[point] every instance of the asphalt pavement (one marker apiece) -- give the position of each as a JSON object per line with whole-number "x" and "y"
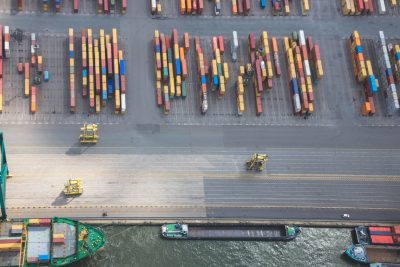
{"x": 144, "y": 166}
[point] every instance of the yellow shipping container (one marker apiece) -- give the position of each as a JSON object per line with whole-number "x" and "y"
{"x": 178, "y": 91}
{"x": 114, "y": 36}
{"x": 158, "y": 75}
{"x": 305, "y": 7}
{"x": 178, "y": 82}
{"x": 159, "y": 9}
{"x": 319, "y": 70}
{"x": 71, "y": 62}
{"x": 369, "y": 67}
{"x": 286, "y": 44}
{"x": 263, "y": 73}
{"x": 171, "y": 81}
{"x": 117, "y": 102}
{"x": 241, "y": 70}
{"x": 33, "y": 222}
{"x": 221, "y": 90}
{"x": 240, "y": 103}
{"x": 165, "y": 89}
{"x": 310, "y": 108}
{"x": 71, "y": 32}
{"x": 226, "y": 71}
{"x": 269, "y": 68}
{"x": 214, "y": 68}
{"x": 292, "y": 72}
{"x": 116, "y": 66}
{"x": 26, "y": 88}
{"x": 182, "y": 7}
{"x": 4, "y": 247}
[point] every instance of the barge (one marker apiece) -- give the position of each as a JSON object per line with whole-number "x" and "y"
{"x": 47, "y": 242}
{"x": 374, "y": 254}
{"x": 229, "y": 232}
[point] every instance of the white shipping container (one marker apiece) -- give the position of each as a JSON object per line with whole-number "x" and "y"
{"x": 235, "y": 40}
{"x": 7, "y": 49}
{"x": 296, "y": 102}
{"x": 307, "y": 69}
{"x": 153, "y": 6}
{"x": 381, "y": 7}
{"x": 302, "y": 38}
{"x": 123, "y": 103}
{"x": 6, "y": 30}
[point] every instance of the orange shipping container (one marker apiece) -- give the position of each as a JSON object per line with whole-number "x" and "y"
{"x": 379, "y": 229}
{"x": 182, "y": 7}
{"x": 381, "y": 239}
{"x": 33, "y": 99}
{"x": 274, "y": 45}
{"x": 186, "y": 41}
{"x": 189, "y": 6}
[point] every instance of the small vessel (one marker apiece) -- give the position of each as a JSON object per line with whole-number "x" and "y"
{"x": 374, "y": 253}
{"x": 230, "y": 232}
{"x": 47, "y": 242}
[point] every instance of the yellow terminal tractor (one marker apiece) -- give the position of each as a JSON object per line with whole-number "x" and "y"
{"x": 88, "y": 134}
{"x": 257, "y": 162}
{"x": 73, "y": 187}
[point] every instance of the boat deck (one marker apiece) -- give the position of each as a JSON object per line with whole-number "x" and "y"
{"x": 241, "y": 233}
{"x": 383, "y": 254}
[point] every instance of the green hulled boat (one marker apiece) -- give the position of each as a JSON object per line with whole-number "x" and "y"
{"x": 47, "y": 242}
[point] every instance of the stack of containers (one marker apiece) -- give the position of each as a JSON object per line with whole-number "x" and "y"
{"x": 219, "y": 69}
{"x": 116, "y": 71}
{"x": 91, "y": 70}
{"x": 176, "y": 64}
{"x": 20, "y": 5}
{"x": 182, "y": 55}
{"x": 388, "y": 85}
{"x": 170, "y": 67}
{"x": 201, "y": 67}
{"x": 156, "y": 8}
{"x": 103, "y": 68}
{"x": 124, "y": 6}
{"x": 393, "y": 3}
{"x": 7, "y": 51}
{"x": 71, "y": 70}
{"x": 84, "y": 63}
{"x": 191, "y": 7}
{"x": 301, "y": 81}
{"x": 317, "y": 70}
{"x": 277, "y": 63}
{"x": 158, "y": 67}
{"x": 257, "y": 76}
{"x": 76, "y": 6}
{"x": 240, "y": 95}
{"x": 58, "y": 5}
{"x": 394, "y": 54}
{"x": 1, "y": 69}
{"x": 27, "y": 79}
{"x": 305, "y": 7}
{"x": 33, "y": 49}
{"x": 122, "y": 80}
{"x": 360, "y": 71}
{"x": 370, "y": 89}
{"x": 33, "y": 99}
{"x": 361, "y": 7}
{"x": 100, "y": 6}
{"x": 307, "y": 71}
{"x": 112, "y": 6}
{"x": 97, "y": 75}
{"x": 292, "y": 76}
{"x": 110, "y": 89}
{"x": 264, "y": 44}
{"x": 45, "y": 5}
{"x": 241, "y": 7}
{"x": 286, "y": 7}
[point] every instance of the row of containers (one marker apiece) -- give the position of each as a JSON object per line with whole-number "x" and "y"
{"x": 170, "y": 67}
{"x": 303, "y": 61}
{"x": 388, "y": 60}
{"x": 103, "y": 6}
{"x": 238, "y": 7}
{"x": 103, "y": 71}
{"x": 4, "y": 54}
{"x": 365, "y": 7}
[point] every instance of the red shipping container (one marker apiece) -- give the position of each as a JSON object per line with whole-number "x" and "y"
{"x": 44, "y": 222}
{"x": 379, "y": 229}
{"x": 304, "y": 102}
{"x": 310, "y": 97}
{"x": 184, "y": 69}
{"x": 123, "y": 6}
{"x": 316, "y": 54}
{"x": 214, "y": 43}
{"x": 106, "y": 7}
{"x": 304, "y": 52}
{"x": 20, "y": 67}
{"x": 159, "y": 96}
{"x": 197, "y": 43}
{"x": 167, "y": 42}
{"x": 310, "y": 44}
{"x": 278, "y": 70}
{"x": 221, "y": 44}
{"x": 167, "y": 107}
{"x": 252, "y": 43}
{"x": 390, "y": 79}
{"x": 58, "y": 240}
{"x": 1, "y": 68}
{"x": 200, "y": 7}
{"x": 372, "y": 105}
{"x": 76, "y": 6}
{"x": 174, "y": 36}
{"x": 370, "y": 7}
{"x": 381, "y": 239}
{"x": 26, "y": 70}
{"x": 258, "y": 105}
{"x": 246, "y": 9}
{"x": 186, "y": 42}
{"x": 1, "y": 40}
{"x": 359, "y": 6}
{"x": 258, "y": 76}
{"x": 123, "y": 84}
{"x": 240, "y": 6}
{"x": 20, "y": 5}
{"x": 396, "y": 230}
{"x": 269, "y": 83}
{"x": 10, "y": 241}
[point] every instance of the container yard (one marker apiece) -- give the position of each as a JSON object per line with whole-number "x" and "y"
{"x": 246, "y": 8}
{"x": 65, "y": 6}
{"x": 244, "y": 82}
{"x": 369, "y": 7}
{"x": 49, "y": 84}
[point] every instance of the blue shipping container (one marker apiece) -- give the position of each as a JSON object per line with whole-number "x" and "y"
{"x": 358, "y": 49}
{"x": 397, "y": 56}
{"x": 158, "y": 49}
{"x": 295, "y": 87}
{"x": 372, "y": 84}
{"x": 84, "y": 73}
{"x": 203, "y": 79}
{"x": 262, "y": 4}
{"x": 71, "y": 54}
{"x": 389, "y": 72}
{"x": 177, "y": 67}
{"x": 215, "y": 80}
{"x": 46, "y": 76}
{"x": 104, "y": 96}
{"x": 122, "y": 67}
{"x": 103, "y": 70}
{"x": 110, "y": 88}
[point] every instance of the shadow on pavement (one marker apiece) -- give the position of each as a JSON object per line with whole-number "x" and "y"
{"x": 77, "y": 149}
{"x": 61, "y": 200}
